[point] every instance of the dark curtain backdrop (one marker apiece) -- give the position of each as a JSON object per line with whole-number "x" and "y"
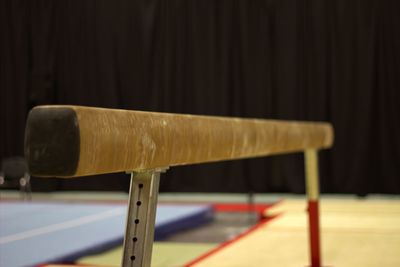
{"x": 336, "y": 61}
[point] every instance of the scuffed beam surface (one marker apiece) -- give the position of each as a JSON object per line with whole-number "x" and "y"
{"x": 68, "y": 141}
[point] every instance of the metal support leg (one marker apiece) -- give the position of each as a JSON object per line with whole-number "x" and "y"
{"x": 311, "y": 167}
{"x": 139, "y": 234}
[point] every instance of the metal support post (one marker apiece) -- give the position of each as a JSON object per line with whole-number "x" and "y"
{"x": 139, "y": 234}
{"x": 311, "y": 168}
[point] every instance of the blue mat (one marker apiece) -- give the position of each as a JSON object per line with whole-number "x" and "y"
{"x": 38, "y": 233}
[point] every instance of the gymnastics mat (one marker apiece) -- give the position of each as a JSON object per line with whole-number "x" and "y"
{"x": 36, "y": 233}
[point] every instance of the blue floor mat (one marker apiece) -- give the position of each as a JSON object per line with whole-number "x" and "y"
{"x": 36, "y": 233}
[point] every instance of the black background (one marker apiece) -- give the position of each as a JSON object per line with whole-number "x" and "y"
{"x": 336, "y": 61}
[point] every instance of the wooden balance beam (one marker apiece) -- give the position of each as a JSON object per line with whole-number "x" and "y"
{"x": 70, "y": 141}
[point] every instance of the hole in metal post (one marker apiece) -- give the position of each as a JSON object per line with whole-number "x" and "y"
{"x": 137, "y": 221}
{"x": 133, "y": 258}
{"x": 140, "y": 185}
{"x": 134, "y": 239}
{"x": 139, "y": 203}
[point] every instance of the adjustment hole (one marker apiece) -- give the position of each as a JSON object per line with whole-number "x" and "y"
{"x": 140, "y": 185}
{"x": 138, "y": 203}
{"x": 133, "y": 258}
{"x": 134, "y": 239}
{"x": 137, "y": 221}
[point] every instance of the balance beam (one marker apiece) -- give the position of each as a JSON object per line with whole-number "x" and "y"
{"x": 68, "y": 141}
{"x": 71, "y": 141}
